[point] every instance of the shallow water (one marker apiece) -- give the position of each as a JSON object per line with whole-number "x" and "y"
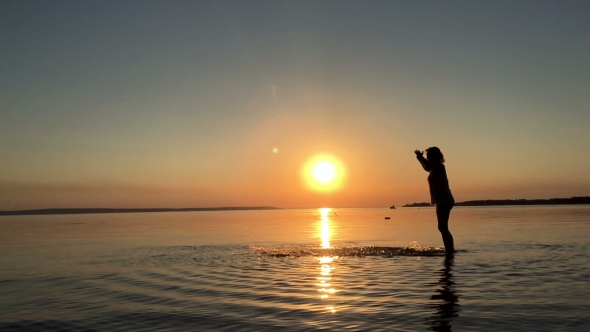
{"x": 518, "y": 268}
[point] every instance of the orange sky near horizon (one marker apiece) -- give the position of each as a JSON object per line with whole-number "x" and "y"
{"x": 267, "y": 171}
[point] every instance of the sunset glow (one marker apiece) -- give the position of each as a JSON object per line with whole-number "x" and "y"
{"x": 323, "y": 173}
{"x": 276, "y": 104}
{"x": 286, "y": 165}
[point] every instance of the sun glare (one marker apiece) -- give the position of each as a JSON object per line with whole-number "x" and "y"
{"x": 323, "y": 173}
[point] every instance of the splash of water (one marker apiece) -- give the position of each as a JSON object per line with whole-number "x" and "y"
{"x": 413, "y": 249}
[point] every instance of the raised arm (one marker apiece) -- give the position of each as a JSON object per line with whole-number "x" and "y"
{"x": 425, "y": 164}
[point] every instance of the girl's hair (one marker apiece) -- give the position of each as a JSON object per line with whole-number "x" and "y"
{"x": 434, "y": 154}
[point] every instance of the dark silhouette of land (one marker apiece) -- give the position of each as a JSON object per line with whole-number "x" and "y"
{"x": 492, "y": 202}
{"x": 107, "y": 210}
{"x": 421, "y": 204}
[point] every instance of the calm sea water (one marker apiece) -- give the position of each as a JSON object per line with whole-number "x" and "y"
{"x": 518, "y": 268}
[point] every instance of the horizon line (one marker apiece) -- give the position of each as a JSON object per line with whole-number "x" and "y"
{"x": 103, "y": 210}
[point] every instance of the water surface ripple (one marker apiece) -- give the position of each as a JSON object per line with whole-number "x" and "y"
{"x": 360, "y": 280}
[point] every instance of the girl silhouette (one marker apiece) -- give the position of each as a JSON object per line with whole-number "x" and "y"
{"x": 440, "y": 193}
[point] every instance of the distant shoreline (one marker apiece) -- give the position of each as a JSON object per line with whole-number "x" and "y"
{"x": 38, "y": 212}
{"x": 496, "y": 202}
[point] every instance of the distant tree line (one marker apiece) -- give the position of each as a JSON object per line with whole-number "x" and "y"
{"x": 421, "y": 204}
{"x": 489, "y": 202}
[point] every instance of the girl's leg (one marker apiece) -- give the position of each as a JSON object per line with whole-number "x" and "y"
{"x": 443, "y": 211}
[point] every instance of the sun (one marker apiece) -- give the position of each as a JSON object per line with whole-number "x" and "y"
{"x": 323, "y": 173}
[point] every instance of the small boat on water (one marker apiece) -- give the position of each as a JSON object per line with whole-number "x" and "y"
{"x": 392, "y": 207}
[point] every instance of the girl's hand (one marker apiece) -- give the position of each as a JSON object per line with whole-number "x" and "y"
{"x": 418, "y": 153}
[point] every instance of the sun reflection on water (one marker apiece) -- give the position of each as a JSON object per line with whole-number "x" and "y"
{"x": 325, "y": 279}
{"x": 325, "y": 228}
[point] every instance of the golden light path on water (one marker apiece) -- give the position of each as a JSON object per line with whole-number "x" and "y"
{"x": 325, "y": 228}
{"x": 324, "y": 280}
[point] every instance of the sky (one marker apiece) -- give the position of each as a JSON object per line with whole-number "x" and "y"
{"x": 224, "y": 103}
